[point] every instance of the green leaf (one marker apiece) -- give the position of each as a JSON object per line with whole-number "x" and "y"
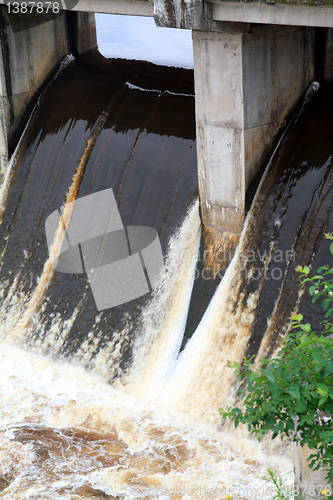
{"x": 322, "y": 387}
{"x": 322, "y": 400}
{"x": 316, "y": 297}
{"x": 317, "y": 354}
{"x": 306, "y": 327}
{"x": 304, "y": 337}
{"x": 325, "y": 304}
{"x": 296, "y": 383}
{"x": 276, "y": 392}
{"x": 290, "y": 424}
{"x": 294, "y": 391}
{"x": 328, "y": 312}
{"x": 297, "y": 317}
{"x": 251, "y": 379}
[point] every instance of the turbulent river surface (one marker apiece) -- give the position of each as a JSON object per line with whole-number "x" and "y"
{"x": 105, "y": 404}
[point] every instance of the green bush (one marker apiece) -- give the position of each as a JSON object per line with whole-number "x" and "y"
{"x": 292, "y": 394}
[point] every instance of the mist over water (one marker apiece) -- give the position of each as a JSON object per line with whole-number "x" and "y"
{"x": 102, "y": 404}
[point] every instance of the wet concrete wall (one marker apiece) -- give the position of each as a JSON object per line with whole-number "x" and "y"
{"x": 31, "y": 48}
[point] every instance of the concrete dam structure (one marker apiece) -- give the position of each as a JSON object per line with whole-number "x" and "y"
{"x": 123, "y": 401}
{"x": 253, "y": 63}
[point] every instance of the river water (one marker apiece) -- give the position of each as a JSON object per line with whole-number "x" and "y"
{"x": 101, "y": 404}
{"x": 131, "y": 37}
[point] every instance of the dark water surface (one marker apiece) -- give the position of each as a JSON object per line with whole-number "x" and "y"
{"x": 145, "y": 152}
{"x": 292, "y": 213}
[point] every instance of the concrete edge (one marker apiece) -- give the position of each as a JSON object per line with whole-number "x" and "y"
{"x": 296, "y": 15}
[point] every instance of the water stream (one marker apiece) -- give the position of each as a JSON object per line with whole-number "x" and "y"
{"x": 102, "y": 404}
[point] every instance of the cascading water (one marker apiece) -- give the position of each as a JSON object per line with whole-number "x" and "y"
{"x": 154, "y": 432}
{"x": 250, "y": 311}
{"x": 103, "y": 143}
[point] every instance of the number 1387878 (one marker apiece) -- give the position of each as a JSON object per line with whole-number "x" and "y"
{"x": 30, "y": 7}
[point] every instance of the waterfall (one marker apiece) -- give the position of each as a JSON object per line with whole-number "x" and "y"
{"x": 65, "y": 432}
{"x": 251, "y": 309}
{"x": 164, "y": 318}
{"x": 102, "y": 404}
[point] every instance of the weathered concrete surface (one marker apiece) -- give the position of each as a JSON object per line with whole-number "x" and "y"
{"x": 30, "y": 51}
{"x": 246, "y": 83}
{"x": 27, "y": 57}
{"x": 203, "y": 14}
{"x": 305, "y": 479}
{"x": 189, "y": 14}
{"x": 124, "y": 7}
{"x": 284, "y": 14}
{"x": 193, "y": 14}
{"x": 82, "y": 32}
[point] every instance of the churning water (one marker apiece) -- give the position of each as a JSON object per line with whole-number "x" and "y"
{"x": 100, "y": 404}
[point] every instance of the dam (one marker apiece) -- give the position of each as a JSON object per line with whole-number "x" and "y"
{"x": 237, "y": 64}
{"x": 113, "y": 403}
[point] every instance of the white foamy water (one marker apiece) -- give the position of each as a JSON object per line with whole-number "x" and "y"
{"x": 164, "y": 319}
{"x": 222, "y": 335}
{"x": 65, "y": 433}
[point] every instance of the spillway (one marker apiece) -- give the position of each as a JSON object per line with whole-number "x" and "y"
{"x": 102, "y": 404}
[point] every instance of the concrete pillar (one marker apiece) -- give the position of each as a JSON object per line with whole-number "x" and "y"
{"x": 29, "y": 52}
{"x": 247, "y": 80}
{"x": 31, "y": 48}
{"x": 307, "y": 481}
{"x": 82, "y": 32}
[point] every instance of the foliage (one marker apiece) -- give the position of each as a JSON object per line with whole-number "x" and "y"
{"x": 292, "y": 395}
{"x": 276, "y": 480}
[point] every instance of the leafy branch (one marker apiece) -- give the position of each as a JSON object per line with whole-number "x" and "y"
{"x": 292, "y": 394}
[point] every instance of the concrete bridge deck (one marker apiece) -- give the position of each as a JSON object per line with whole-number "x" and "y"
{"x": 291, "y": 13}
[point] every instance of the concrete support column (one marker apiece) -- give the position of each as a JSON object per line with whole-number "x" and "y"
{"x": 307, "y": 480}
{"x": 31, "y": 48}
{"x": 247, "y": 80}
{"x": 82, "y": 31}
